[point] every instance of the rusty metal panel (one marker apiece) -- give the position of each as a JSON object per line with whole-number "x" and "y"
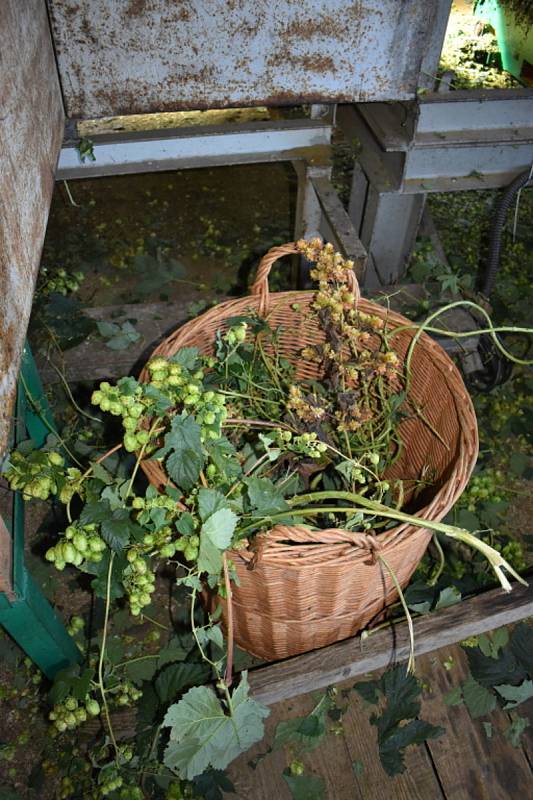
{"x": 136, "y": 56}
{"x": 31, "y": 130}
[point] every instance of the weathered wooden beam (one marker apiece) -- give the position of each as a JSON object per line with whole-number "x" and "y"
{"x": 356, "y": 656}
{"x": 31, "y": 129}
{"x": 336, "y": 225}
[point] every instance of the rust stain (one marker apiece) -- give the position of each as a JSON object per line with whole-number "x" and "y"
{"x": 318, "y": 63}
{"x": 299, "y": 48}
{"x": 317, "y": 156}
{"x": 323, "y": 25}
{"x": 136, "y": 8}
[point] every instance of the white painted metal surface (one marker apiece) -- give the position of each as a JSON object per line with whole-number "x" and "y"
{"x": 133, "y": 56}
{"x": 117, "y": 154}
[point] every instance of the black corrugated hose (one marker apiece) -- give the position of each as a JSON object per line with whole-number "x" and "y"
{"x": 522, "y": 181}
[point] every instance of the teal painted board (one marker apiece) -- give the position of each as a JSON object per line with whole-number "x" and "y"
{"x": 36, "y": 628}
{"x": 38, "y": 417}
{"x": 26, "y": 614}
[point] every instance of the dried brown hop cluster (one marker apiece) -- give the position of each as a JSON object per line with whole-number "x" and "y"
{"x": 355, "y": 357}
{"x": 330, "y": 266}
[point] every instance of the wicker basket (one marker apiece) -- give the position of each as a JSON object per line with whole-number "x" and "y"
{"x": 292, "y": 597}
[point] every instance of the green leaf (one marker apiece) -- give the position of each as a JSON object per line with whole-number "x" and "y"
{"x": 209, "y": 558}
{"x": 186, "y": 458}
{"x": 449, "y": 281}
{"x": 514, "y": 732}
{"x": 192, "y": 581}
{"x": 401, "y": 691}
{"x": 211, "y": 785}
{"x": 500, "y": 638}
{"x": 449, "y": 596}
{"x": 358, "y": 767}
{"x": 215, "y": 536}
{"x": 102, "y": 474}
{"x": 305, "y": 787}
{"x": 307, "y": 732}
{"x": 219, "y": 527}
{"x": 522, "y": 646}
{"x": 454, "y": 697}
{"x": 215, "y": 636}
{"x": 485, "y": 645}
{"x": 173, "y": 678}
{"x": 185, "y": 524}
{"x": 368, "y": 690}
{"x": 224, "y": 457}
{"x": 114, "y": 649}
{"x": 515, "y": 694}
{"x": 495, "y": 671}
{"x": 467, "y": 519}
{"x": 116, "y": 531}
{"x": 162, "y": 403}
{"x": 209, "y": 501}
{"x": 70, "y": 681}
{"x": 478, "y": 699}
{"x": 265, "y": 498}
{"x": 391, "y": 747}
{"x": 119, "y": 336}
{"x": 203, "y": 735}
{"x": 186, "y": 357}
{"x": 420, "y": 597}
{"x": 128, "y": 386}
{"x": 518, "y": 463}
{"x": 99, "y": 570}
{"x": 95, "y": 513}
{"x": 139, "y": 671}
{"x": 177, "y": 649}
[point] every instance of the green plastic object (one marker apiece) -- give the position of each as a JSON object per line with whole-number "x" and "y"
{"x": 514, "y": 40}
{"x": 27, "y": 615}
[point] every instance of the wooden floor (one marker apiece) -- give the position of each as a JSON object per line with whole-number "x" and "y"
{"x": 463, "y": 764}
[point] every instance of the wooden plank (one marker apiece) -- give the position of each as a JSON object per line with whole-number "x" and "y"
{"x": 331, "y": 761}
{"x": 339, "y": 227}
{"x": 469, "y": 764}
{"x": 526, "y": 711}
{"x": 418, "y": 782}
{"x": 31, "y": 129}
{"x": 343, "y": 660}
{"x": 5, "y": 560}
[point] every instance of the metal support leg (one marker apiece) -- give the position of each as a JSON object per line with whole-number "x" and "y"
{"x": 388, "y": 231}
{"x": 358, "y": 195}
{"x": 308, "y": 212}
{"x": 25, "y": 612}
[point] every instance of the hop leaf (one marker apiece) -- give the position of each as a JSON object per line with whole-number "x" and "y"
{"x": 186, "y": 458}
{"x": 205, "y": 733}
{"x": 215, "y": 536}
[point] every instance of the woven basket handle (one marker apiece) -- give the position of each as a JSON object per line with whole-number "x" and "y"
{"x": 300, "y": 534}
{"x": 260, "y": 285}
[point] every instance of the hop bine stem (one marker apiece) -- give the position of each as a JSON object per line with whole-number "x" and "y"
{"x": 363, "y": 505}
